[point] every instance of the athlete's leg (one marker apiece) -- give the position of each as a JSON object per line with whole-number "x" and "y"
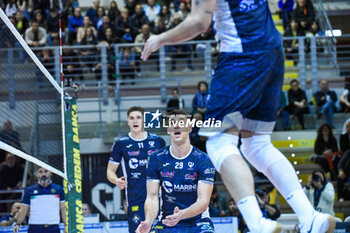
{"x": 222, "y": 150}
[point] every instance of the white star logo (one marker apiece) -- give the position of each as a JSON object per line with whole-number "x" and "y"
{"x": 156, "y": 115}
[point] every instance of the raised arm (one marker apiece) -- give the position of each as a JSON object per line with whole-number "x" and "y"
{"x": 151, "y": 207}
{"x": 195, "y": 23}
{"x": 113, "y": 178}
{"x": 203, "y": 197}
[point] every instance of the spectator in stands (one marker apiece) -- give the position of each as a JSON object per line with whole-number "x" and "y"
{"x": 282, "y": 112}
{"x": 123, "y": 26}
{"x": 113, "y": 11}
{"x": 151, "y": 10}
{"x": 86, "y": 210}
{"x": 320, "y": 192}
{"x": 343, "y": 165}
{"x": 21, "y": 23}
{"x": 9, "y": 136}
{"x": 11, "y": 173}
{"x": 81, "y": 30}
{"x": 176, "y": 102}
{"x": 10, "y": 219}
{"x": 11, "y": 8}
{"x": 88, "y": 54}
{"x": 159, "y": 29}
{"x": 92, "y": 12}
{"x": 292, "y": 46}
{"x": 325, "y": 146}
{"x": 127, "y": 63}
{"x": 200, "y": 100}
{"x": 325, "y": 102}
{"x": 74, "y": 22}
{"x": 42, "y": 5}
{"x": 25, "y": 6}
{"x": 38, "y": 16}
{"x": 297, "y": 102}
{"x": 101, "y": 35}
{"x": 183, "y": 12}
{"x": 164, "y": 16}
{"x": 52, "y": 29}
{"x": 218, "y": 205}
{"x": 71, "y": 65}
{"x": 35, "y": 36}
{"x": 61, "y": 7}
{"x": 304, "y": 13}
{"x": 268, "y": 211}
{"x": 137, "y": 20}
{"x": 285, "y": 9}
{"x": 130, "y": 5}
{"x": 345, "y": 98}
{"x": 315, "y": 31}
{"x": 100, "y": 14}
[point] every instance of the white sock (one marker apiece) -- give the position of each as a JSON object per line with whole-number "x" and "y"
{"x": 249, "y": 208}
{"x": 301, "y": 206}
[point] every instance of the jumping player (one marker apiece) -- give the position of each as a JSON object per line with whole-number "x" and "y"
{"x": 244, "y": 94}
{"x": 186, "y": 176}
{"x": 132, "y": 152}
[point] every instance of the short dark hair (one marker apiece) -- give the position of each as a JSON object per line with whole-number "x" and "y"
{"x": 135, "y": 109}
{"x": 202, "y": 82}
{"x": 178, "y": 112}
{"x": 294, "y": 81}
{"x": 174, "y": 89}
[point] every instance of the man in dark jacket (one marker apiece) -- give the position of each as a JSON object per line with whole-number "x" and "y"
{"x": 137, "y": 20}
{"x": 344, "y": 163}
{"x": 304, "y": 13}
{"x": 297, "y": 102}
{"x": 325, "y": 101}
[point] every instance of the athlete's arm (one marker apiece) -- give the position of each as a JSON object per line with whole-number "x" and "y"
{"x": 194, "y": 24}
{"x": 113, "y": 178}
{"x": 203, "y": 197}
{"x": 151, "y": 207}
{"x": 23, "y": 210}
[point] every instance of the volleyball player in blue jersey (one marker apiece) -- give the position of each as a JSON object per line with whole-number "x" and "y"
{"x": 132, "y": 152}
{"x": 244, "y": 94}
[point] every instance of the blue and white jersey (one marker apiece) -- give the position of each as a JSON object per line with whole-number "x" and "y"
{"x": 245, "y": 25}
{"x": 133, "y": 155}
{"x": 44, "y": 203}
{"x": 179, "y": 178}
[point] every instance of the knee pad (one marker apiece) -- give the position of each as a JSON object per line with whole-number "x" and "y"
{"x": 260, "y": 152}
{"x": 220, "y": 147}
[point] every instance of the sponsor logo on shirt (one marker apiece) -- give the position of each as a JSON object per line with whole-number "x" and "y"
{"x": 128, "y": 146}
{"x": 135, "y": 175}
{"x": 185, "y": 187}
{"x": 136, "y": 219}
{"x": 151, "y": 143}
{"x": 135, "y": 208}
{"x": 190, "y": 164}
{"x": 150, "y": 152}
{"x": 134, "y": 163}
{"x": 170, "y": 199}
{"x": 250, "y": 5}
{"x": 209, "y": 171}
{"x": 53, "y": 190}
{"x": 134, "y": 153}
{"x": 167, "y": 174}
{"x": 191, "y": 176}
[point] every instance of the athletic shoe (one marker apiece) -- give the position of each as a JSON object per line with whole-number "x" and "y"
{"x": 268, "y": 226}
{"x": 321, "y": 223}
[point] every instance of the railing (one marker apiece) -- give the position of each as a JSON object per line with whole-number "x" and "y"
{"x": 105, "y": 75}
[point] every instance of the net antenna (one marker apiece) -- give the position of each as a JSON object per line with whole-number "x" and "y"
{"x": 31, "y": 101}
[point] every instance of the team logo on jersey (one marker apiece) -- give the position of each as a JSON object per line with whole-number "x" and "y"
{"x": 190, "y": 164}
{"x": 151, "y": 120}
{"x": 168, "y": 187}
{"x": 136, "y": 219}
{"x": 128, "y": 146}
{"x": 35, "y": 191}
{"x": 167, "y": 174}
{"x": 191, "y": 176}
{"x": 134, "y": 163}
{"x": 134, "y": 153}
{"x": 151, "y": 143}
{"x": 53, "y": 190}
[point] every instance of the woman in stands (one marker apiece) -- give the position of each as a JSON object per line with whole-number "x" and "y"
{"x": 320, "y": 192}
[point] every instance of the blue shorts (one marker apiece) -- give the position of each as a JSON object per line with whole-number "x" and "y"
{"x": 136, "y": 214}
{"x": 245, "y": 90}
{"x": 204, "y": 226}
{"x": 43, "y": 229}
